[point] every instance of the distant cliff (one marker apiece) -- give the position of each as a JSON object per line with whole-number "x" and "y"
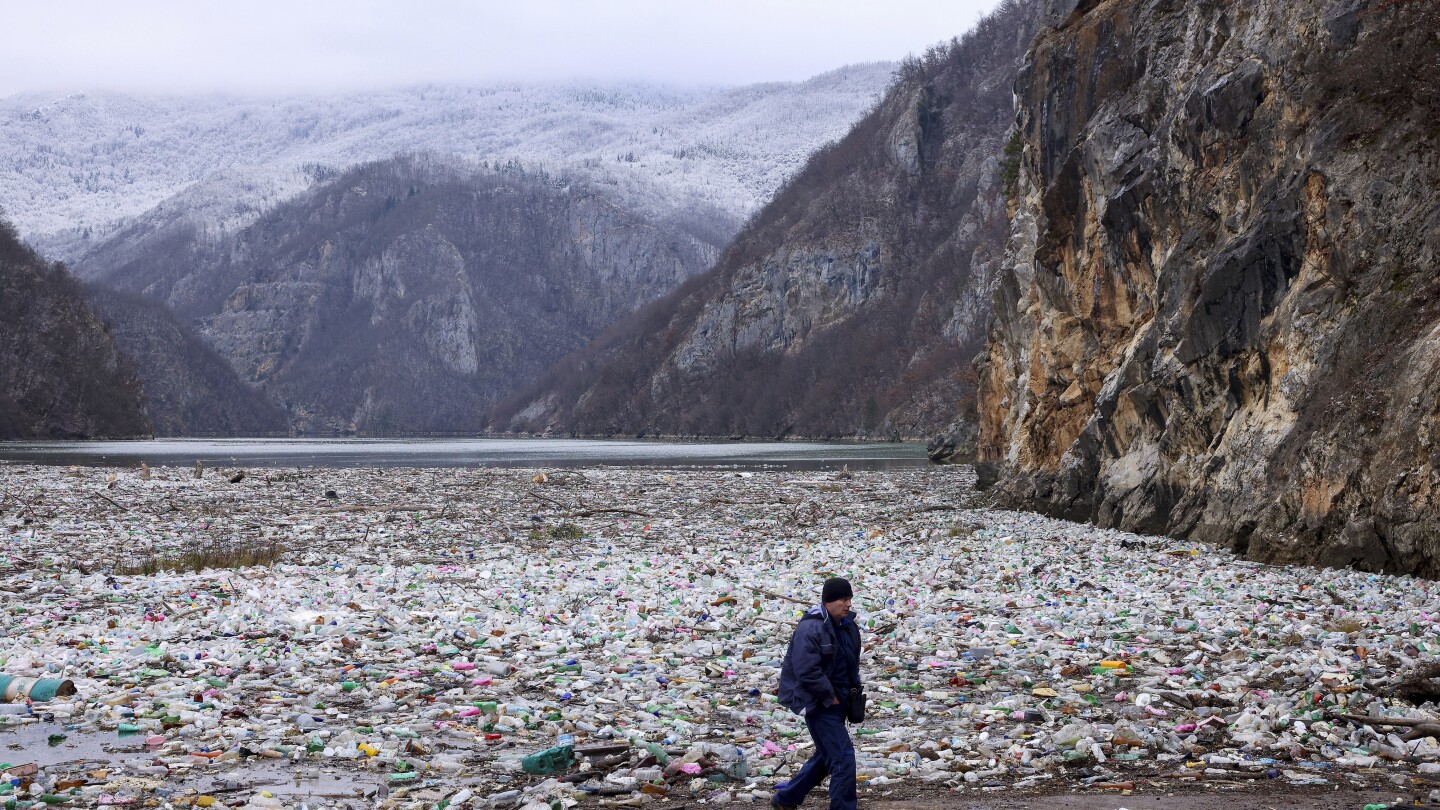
{"x": 851, "y": 303}
{"x": 409, "y": 295}
{"x": 61, "y": 376}
{"x": 189, "y": 389}
{"x": 1220, "y": 311}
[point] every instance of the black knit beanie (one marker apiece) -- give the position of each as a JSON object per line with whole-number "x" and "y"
{"x": 836, "y": 588}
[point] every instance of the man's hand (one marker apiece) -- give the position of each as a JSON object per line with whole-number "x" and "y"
{"x": 834, "y": 701}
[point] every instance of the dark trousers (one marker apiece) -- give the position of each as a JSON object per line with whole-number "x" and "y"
{"x": 834, "y": 757}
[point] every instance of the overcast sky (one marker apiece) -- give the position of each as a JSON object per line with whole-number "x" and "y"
{"x": 318, "y": 45}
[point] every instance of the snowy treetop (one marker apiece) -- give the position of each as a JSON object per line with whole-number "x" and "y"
{"x": 84, "y": 162}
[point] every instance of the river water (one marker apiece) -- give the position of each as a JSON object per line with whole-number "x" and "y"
{"x": 464, "y": 453}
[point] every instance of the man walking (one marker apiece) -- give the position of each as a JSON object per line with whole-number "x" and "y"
{"x": 821, "y": 666}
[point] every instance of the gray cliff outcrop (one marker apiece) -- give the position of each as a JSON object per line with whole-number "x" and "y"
{"x": 850, "y": 303}
{"x": 190, "y": 390}
{"x": 1220, "y": 311}
{"x": 408, "y": 296}
{"x": 61, "y": 375}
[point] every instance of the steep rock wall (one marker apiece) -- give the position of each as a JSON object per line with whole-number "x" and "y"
{"x": 1220, "y": 313}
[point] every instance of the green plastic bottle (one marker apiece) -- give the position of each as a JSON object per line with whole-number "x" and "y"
{"x": 661, "y": 755}
{"x": 551, "y": 760}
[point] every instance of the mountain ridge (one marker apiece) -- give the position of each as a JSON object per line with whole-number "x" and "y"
{"x": 408, "y": 295}
{"x": 79, "y": 164}
{"x": 850, "y": 304}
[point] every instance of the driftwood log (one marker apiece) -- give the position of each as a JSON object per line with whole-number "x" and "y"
{"x": 1419, "y": 728}
{"x": 1419, "y": 685}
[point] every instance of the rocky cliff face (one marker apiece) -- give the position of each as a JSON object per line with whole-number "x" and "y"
{"x": 850, "y": 303}
{"x": 61, "y": 376}
{"x": 1220, "y": 311}
{"x": 409, "y": 295}
{"x": 189, "y": 389}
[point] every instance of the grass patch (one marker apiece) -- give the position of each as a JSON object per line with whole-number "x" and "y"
{"x": 244, "y": 556}
{"x": 562, "y": 532}
{"x": 1346, "y": 625}
{"x": 565, "y": 531}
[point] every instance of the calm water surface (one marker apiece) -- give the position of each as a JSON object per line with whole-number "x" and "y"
{"x": 464, "y": 453}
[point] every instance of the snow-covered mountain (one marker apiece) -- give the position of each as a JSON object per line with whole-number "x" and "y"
{"x": 73, "y": 167}
{"x": 403, "y": 296}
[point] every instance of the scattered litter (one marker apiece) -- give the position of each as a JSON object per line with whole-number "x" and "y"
{"x": 506, "y": 638}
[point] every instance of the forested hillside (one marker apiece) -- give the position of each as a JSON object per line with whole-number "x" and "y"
{"x": 78, "y": 167}
{"x": 852, "y": 302}
{"x": 190, "y": 390}
{"x": 410, "y": 295}
{"x": 61, "y": 375}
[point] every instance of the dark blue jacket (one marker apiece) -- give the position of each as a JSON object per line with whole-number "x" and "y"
{"x": 816, "y": 658}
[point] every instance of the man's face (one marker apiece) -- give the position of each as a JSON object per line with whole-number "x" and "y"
{"x": 838, "y": 609}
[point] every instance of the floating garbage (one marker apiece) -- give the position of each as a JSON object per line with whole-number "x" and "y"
{"x": 551, "y": 760}
{"x": 501, "y": 638}
{"x": 14, "y": 689}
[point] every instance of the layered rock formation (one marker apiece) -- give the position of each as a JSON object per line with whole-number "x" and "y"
{"x": 852, "y": 302}
{"x": 408, "y": 296}
{"x": 1220, "y": 314}
{"x": 61, "y": 375}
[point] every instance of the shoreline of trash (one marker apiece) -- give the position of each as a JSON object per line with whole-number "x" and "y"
{"x": 498, "y": 637}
